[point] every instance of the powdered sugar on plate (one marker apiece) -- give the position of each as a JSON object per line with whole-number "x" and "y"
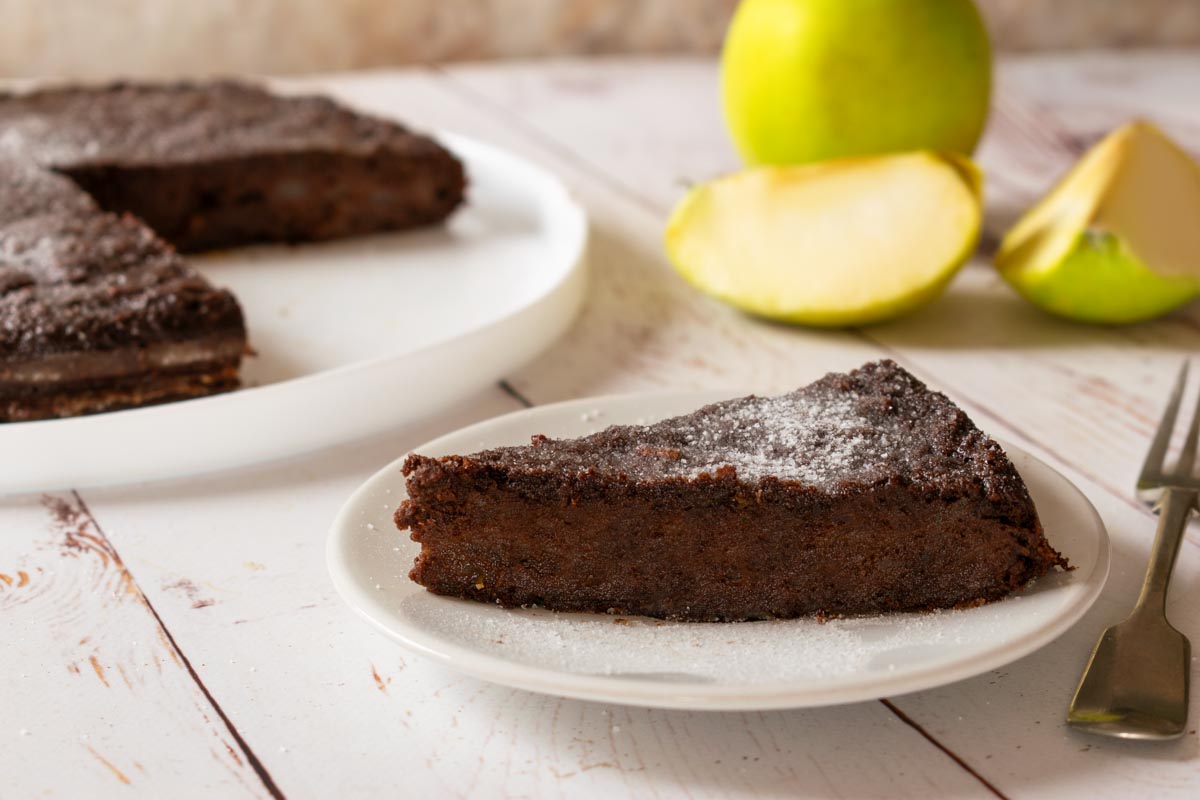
{"x": 751, "y": 665}
{"x": 712, "y": 653}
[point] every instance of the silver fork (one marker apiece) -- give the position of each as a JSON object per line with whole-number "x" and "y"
{"x": 1136, "y": 683}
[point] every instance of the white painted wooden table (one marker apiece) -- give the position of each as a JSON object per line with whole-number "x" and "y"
{"x": 183, "y": 639}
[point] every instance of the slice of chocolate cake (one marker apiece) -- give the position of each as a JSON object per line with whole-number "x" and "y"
{"x": 858, "y": 494}
{"x": 96, "y": 312}
{"x": 221, "y": 164}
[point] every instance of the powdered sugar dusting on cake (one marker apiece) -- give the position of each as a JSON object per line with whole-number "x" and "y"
{"x": 816, "y": 438}
{"x": 874, "y": 424}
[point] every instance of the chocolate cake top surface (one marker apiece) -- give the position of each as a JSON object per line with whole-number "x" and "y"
{"x": 875, "y": 425}
{"x": 27, "y": 190}
{"x": 74, "y": 127}
{"x": 74, "y": 278}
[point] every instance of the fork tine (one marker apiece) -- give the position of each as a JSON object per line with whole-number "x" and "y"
{"x": 1187, "y": 459}
{"x": 1154, "y": 466}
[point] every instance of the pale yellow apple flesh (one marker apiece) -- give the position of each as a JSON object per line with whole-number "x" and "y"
{"x": 844, "y": 242}
{"x": 1118, "y": 239}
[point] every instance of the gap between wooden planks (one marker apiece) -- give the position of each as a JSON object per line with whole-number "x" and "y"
{"x": 652, "y": 207}
{"x": 852, "y": 725}
{"x": 1057, "y": 149}
{"x": 97, "y": 662}
{"x": 1030, "y": 155}
{"x": 143, "y": 614}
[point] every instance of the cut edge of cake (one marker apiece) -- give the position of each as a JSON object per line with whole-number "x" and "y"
{"x": 511, "y": 525}
{"x": 96, "y": 312}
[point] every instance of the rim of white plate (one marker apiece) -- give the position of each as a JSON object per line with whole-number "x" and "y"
{"x": 577, "y": 233}
{"x": 548, "y": 309}
{"x": 659, "y": 694}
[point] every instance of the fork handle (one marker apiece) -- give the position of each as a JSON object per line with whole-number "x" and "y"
{"x": 1174, "y": 509}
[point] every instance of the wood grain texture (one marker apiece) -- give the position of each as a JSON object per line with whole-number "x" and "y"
{"x": 96, "y": 698}
{"x": 1084, "y": 398}
{"x": 233, "y": 565}
{"x": 1099, "y": 388}
{"x": 333, "y": 709}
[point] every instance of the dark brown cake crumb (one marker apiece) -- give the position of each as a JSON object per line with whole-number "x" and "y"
{"x": 860, "y": 493}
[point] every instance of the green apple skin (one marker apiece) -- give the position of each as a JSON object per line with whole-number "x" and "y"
{"x": 809, "y": 80}
{"x": 1101, "y": 280}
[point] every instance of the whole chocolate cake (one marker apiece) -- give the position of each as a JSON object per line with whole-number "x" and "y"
{"x": 858, "y": 494}
{"x": 100, "y": 186}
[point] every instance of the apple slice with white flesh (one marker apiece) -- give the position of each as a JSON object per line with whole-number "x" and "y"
{"x": 844, "y": 242}
{"x": 1118, "y": 239}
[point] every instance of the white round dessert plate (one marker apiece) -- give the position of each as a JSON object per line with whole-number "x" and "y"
{"x": 718, "y": 666}
{"x": 351, "y": 337}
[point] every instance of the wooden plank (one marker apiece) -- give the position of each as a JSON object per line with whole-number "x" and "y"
{"x": 97, "y": 699}
{"x": 235, "y": 568}
{"x": 1089, "y": 94}
{"x": 1083, "y": 398}
{"x": 1096, "y": 390}
{"x": 1010, "y": 721}
{"x": 235, "y": 565}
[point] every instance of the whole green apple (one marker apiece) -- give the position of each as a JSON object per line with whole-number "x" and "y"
{"x": 809, "y": 80}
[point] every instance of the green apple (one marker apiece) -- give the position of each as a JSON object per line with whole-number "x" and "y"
{"x": 1118, "y": 239}
{"x": 809, "y": 80}
{"x": 844, "y": 242}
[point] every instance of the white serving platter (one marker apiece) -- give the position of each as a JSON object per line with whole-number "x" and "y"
{"x": 715, "y": 666}
{"x": 351, "y": 337}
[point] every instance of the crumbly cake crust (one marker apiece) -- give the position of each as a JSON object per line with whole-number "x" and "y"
{"x": 874, "y": 425}
{"x": 860, "y": 493}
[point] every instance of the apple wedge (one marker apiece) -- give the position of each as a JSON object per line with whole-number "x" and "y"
{"x": 1118, "y": 238}
{"x": 844, "y": 242}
